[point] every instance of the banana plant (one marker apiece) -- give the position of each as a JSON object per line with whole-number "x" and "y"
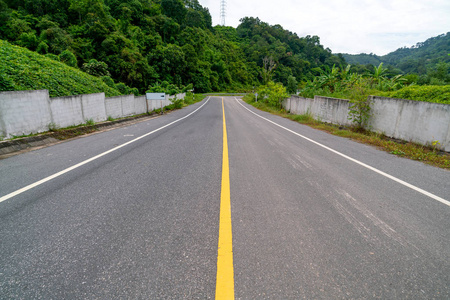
{"x": 379, "y": 75}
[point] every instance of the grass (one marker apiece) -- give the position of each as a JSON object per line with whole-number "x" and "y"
{"x": 90, "y": 122}
{"x": 427, "y": 154}
{"x": 193, "y": 98}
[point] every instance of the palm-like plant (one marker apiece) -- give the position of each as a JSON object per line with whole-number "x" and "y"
{"x": 379, "y": 75}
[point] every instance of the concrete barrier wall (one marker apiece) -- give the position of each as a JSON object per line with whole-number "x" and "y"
{"x": 66, "y": 111}
{"x": 421, "y": 122}
{"x": 128, "y": 106}
{"x": 330, "y": 110}
{"x": 416, "y": 121}
{"x": 24, "y": 112}
{"x": 113, "y": 106}
{"x": 93, "y": 106}
{"x": 156, "y": 104}
{"x": 177, "y": 96}
{"x": 140, "y": 105}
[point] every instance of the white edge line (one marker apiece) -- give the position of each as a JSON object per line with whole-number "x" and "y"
{"x": 37, "y": 183}
{"x": 356, "y": 161}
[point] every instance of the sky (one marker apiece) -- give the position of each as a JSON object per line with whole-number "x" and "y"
{"x": 346, "y": 26}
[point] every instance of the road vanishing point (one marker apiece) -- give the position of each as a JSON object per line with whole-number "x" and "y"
{"x": 220, "y": 200}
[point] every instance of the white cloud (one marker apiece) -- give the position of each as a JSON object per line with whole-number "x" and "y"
{"x": 350, "y": 26}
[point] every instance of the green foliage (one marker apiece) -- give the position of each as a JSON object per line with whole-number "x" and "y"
{"x": 436, "y": 94}
{"x": 346, "y": 85}
{"x": 292, "y": 85}
{"x": 6, "y": 84}
{"x": 134, "y": 91}
{"x": 52, "y": 56}
{"x": 269, "y": 66}
{"x": 168, "y": 88}
{"x": 123, "y": 89}
{"x": 90, "y": 122}
{"x": 23, "y": 69}
{"x": 359, "y": 109}
{"x": 96, "y": 68}
{"x": 28, "y": 40}
{"x": 108, "y": 81}
{"x": 429, "y": 60}
{"x": 68, "y": 58}
{"x": 145, "y": 42}
{"x": 273, "y": 94}
{"x": 52, "y": 127}
{"x": 342, "y": 83}
{"x": 177, "y": 103}
{"x": 42, "y": 48}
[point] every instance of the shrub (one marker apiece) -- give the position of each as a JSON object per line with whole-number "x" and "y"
{"x": 427, "y": 93}
{"x": 52, "y": 56}
{"x": 96, "y": 68}
{"x": 68, "y": 58}
{"x": 42, "y": 48}
{"x": 108, "y": 81}
{"x": 28, "y": 40}
{"x": 177, "y": 103}
{"x": 134, "y": 91}
{"x": 123, "y": 89}
{"x": 272, "y": 94}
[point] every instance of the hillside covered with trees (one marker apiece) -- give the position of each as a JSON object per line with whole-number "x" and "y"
{"x": 145, "y": 43}
{"x": 426, "y": 62}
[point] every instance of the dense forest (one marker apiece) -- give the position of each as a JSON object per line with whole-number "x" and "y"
{"x": 426, "y": 62}
{"x": 148, "y": 43}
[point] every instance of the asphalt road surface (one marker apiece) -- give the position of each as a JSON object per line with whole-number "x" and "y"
{"x": 134, "y": 213}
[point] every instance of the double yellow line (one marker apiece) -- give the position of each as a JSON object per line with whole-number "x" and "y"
{"x": 225, "y": 273}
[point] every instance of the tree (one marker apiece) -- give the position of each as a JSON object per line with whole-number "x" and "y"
{"x": 174, "y": 9}
{"x": 96, "y": 68}
{"x": 379, "y": 74}
{"x": 292, "y": 85}
{"x": 269, "y": 66}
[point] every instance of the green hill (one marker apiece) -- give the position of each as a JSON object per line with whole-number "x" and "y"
{"x": 22, "y": 69}
{"x": 419, "y": 59}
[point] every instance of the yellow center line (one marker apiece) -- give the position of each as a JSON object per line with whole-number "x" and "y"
{"x": 225, "y": 276}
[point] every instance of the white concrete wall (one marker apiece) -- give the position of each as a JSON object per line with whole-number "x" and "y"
{"x": 298, "y": 105}
{"x": 128, "y": 105}
{"x": 330, "y": 110}
{"x": 66, "y": 111}
{"x": 24, "y": 112}
{"x": 416, "y": 121}
{"x": 178, "y": 96}
{"x": 123, "y": 106}
{"x": 421, "y": 122}
{"x": 93, "y": 107}
{"x": 140, "y": 105}
{"x": 113, "y": 106}
{"x": 156, "y": 104}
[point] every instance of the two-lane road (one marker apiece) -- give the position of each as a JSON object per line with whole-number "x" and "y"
{"x": 134, "y": 213}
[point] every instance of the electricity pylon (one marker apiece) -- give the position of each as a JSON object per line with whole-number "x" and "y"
{"x": 223, "y": 8}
